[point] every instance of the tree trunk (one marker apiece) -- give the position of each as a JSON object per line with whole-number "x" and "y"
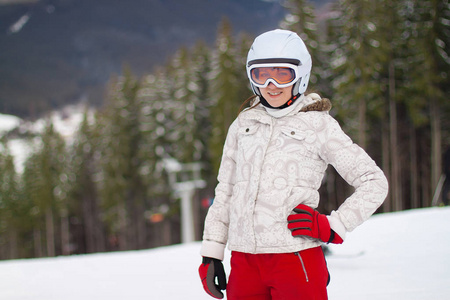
{"x": 37, "y": 239}
{"x": 332, "y": 203}
{"x": 65, "y": 234}
{"x": 50, "y": 232}
{"x": 123, "y": 224}
{"x": 414, "y": 176}
{"x": 395, "y": 158}
{"x": 362, "y": 107}
{"x": 387, "y": 206}
{"x": 89, "y": 226}
{"x": 426, "y": 183}
{"x": 94, "y": 233}
{"x": 141, "y": 225}
{"x": 436, "y": 145}
{"x": 12, "y": 241}
{"x": 131, "y": 229}
{"x": 99, "y": 229}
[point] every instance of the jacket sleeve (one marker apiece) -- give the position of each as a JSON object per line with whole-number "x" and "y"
{"x": 357, "y": 169}
{"x": 215, "y": 234}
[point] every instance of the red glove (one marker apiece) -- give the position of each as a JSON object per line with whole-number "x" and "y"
{"x": 309, "y": 222}
{"x": 209, "y": 270}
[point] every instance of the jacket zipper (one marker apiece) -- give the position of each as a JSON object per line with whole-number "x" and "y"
{"x": 303, "y": 265}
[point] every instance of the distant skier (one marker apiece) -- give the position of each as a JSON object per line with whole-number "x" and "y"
{"x": 273, "y": 162}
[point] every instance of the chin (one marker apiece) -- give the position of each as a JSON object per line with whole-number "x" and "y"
{"x": 277, "y": 103}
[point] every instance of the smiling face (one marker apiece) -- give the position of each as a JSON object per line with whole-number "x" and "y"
{"x": 276, "y": 96}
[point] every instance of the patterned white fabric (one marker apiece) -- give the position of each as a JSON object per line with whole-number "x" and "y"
{"x": 270, "y": 165}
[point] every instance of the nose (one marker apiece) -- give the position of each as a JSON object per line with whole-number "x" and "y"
{"x": 271, "y": 85}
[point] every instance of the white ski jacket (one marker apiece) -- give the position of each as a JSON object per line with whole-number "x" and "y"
{"x": 270, "y": 165}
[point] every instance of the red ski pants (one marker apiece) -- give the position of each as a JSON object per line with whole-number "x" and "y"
{"x": 287, "y": 276}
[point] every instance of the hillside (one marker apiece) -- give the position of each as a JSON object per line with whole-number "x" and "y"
{"x": 56, "y": 52}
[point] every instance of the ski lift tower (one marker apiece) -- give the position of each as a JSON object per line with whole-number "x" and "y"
{"x": 184, "y": 180}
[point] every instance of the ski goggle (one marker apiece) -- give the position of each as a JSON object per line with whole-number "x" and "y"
{"x": 280, "y": 74}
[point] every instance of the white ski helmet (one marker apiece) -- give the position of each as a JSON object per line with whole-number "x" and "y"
{"x": 281, "y": 48}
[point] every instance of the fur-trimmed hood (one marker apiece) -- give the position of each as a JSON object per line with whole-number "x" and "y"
{"x": 323, "y": 104}
{"x": 313, "y": 102}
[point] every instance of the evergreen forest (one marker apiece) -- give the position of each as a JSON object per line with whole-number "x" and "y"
{"x": 385, "y": 66}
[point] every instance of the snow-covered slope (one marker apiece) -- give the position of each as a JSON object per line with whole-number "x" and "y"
{"x": 401, "y": 256}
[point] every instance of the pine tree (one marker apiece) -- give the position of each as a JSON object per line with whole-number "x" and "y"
{"x": 224, "y": 90}
{"x": 84, "y": 194}
{"x": 436, "y": 17}
{"x": 414, "y": 85}
{"x": 156, "y": 122}
{"x": 10, "y": 206}
{"x": 186, "y": 147}
{"x": 302, "y": 20}
{"x": 356, "y": 62}
{"x": 45, "y": 185}
{"x": 201, "y": 61}
{"x": 122, "y": 190}
{"x": 243, "y": 44}
{"x": 356, "y": 56}
{"x": 403, "y": 93}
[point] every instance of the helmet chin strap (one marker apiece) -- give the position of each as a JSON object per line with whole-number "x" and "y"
{"x": 295, "y": 96}
{"x": 287, "y": 104}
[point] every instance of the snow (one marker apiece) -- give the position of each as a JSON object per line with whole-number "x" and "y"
{"x": 400, "y": 256}
{"x": 65, "y": 121}
{"x": 406, "y": 256}
{"x": 20, "y": 149}
{"x": 8, "y": 122}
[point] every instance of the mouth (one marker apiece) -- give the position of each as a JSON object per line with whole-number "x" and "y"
{"x": 274, "y": 93}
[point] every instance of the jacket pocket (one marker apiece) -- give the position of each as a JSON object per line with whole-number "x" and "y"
{"x": 248, "y": 130}
{"x": 298, "y": 134}
{"x": 300, "y": 142}
{"x": 294, "y": 134}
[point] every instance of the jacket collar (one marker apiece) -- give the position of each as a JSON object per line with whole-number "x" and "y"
{"x": 310, "y": 102}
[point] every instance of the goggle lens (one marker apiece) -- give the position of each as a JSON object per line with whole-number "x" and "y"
{"x": 282, "y": 75}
